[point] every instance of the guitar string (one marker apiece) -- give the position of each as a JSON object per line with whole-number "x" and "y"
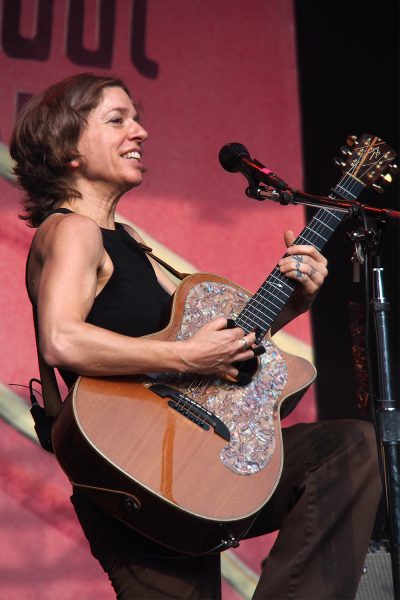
{"x": 318, "y": 221}
{"x": 269, "y": 286}
{"x": 317, "y": 225}
{"x": 347, "y": 184}
{"x": 273, "y": 287}
{"x": 351, "y": 188}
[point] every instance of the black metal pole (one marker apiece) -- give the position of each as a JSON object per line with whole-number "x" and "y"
{"x": 387, "y": 413}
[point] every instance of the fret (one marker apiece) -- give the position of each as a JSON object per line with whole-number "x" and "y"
{"x": 252, "y": 314}
{"x": 325, "y": 224}
{"x": 349, "y": 187}
{"x": 266, "y": 304}
{"x": 281, "y": 281}
{"x": 332, "y": 215}
{"x": 364, "y": 165}
{"x": 313, "y": 233}
{"x": 270, "y": 288}
{"x": 267, "y": 301}
{"x": 267, "y": 292}
{"x": 249, "y": 324}
{"x": 252, "y": 310}
{"x": 347, "y": 192}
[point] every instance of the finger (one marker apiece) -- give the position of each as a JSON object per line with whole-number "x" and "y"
{"x": 307, "y": 250}
{"x": 310, "y": 285}
{"x": 258, "y": 350}
{"x": 315, "y": 271}
{"x": 217, "y": 324}
{"x": 310, "y": 267}
{"x": 230, "y": 374}
{"x": 287, "y": 261}
{"x": 236, "y": 331}
{"x": 297, "y": 264}
{"x": 243, "y": 356}
{"x": 289, "y": 237}
{"x": 246, "y": 341}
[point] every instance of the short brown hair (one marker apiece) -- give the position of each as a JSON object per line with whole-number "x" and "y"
{"x": 45, "y": 138}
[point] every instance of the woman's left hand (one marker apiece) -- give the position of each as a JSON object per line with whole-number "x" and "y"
{"x": 306, "y": 265}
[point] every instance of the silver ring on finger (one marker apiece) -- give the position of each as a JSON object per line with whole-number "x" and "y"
{"x": 245, "y": 343}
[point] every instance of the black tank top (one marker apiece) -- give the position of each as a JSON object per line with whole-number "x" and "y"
{"x": 132, "y": 302}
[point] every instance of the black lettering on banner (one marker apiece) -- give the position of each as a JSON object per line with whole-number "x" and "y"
{"x": 102, "y": 57}
{"x": 146, "y": 66}
{"x": 17, "y": 46}
{"x": 38, "y": 47}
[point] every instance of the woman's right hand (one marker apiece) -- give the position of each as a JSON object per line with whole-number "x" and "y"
{"x": 214, "y": 347}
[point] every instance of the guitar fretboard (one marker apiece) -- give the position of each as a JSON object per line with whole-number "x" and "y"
{"x": 266, "y": 304}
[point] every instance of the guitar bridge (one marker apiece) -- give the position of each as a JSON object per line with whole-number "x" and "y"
{"x": 191, "y": 409}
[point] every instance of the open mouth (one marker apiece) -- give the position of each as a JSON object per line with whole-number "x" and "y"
{"x": 132, "y": 155}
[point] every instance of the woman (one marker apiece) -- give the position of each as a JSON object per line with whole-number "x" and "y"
{"x": 77, "y": 150}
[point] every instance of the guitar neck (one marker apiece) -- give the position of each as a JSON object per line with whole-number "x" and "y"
{"x": 269, "y": 300}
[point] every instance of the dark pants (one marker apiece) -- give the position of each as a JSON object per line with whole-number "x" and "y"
{"x": 324, "y": 508}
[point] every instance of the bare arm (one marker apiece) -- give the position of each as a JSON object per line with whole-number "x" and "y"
{"x": 71, "y": 255}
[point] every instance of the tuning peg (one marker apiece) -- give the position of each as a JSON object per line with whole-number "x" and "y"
{"x": 345, "y": 150}
{"x": 394, "y": 168}
{"x": 351, "y": 140}
{"x": 339, "y": 162}
{"x": 377, "y": 188}
{"x": 386, "y": 178}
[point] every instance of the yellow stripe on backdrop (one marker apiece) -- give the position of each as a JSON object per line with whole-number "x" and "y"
{"x": 6, "y": 163}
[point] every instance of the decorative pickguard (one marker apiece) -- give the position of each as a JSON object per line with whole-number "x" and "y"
{"x": 247, "y": 410}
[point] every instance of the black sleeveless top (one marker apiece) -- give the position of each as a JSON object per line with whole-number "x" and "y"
{"x": 132, "y": 302}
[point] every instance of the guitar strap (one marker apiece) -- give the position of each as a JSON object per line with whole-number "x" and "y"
{"x": 52, "y": 401}
{"x": 164, "y": 264}
{"x": 51, "y": 393}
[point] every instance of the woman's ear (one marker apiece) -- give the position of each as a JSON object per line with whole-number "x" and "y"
{"x": 74, "y": 163}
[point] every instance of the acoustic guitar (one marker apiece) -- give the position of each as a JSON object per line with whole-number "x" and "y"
{"x": 190, "y": 460}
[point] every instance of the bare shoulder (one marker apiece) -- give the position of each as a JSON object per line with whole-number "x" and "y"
{"x": 73, "y": 233}
{"x": 133, "y": 233}
{"x": 66, "y": 248}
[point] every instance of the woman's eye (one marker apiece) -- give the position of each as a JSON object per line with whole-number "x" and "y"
{"x": 118, "y": 120}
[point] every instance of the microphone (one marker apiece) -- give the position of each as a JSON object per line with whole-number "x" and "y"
{"x": 235, "y": 158}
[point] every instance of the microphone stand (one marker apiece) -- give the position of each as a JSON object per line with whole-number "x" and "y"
{"x": 384, "y": 407}
{"x": 292, "y": 196}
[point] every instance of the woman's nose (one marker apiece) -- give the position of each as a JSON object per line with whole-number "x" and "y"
{"x": 136, "y": 131}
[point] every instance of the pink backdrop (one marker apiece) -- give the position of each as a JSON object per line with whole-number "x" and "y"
{"x": 226, "y": 71}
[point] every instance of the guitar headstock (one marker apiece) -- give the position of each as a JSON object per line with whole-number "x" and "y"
{"x": 368, "y": 159}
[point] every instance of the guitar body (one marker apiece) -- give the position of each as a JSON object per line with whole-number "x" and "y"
{"x": 156, "y": 463}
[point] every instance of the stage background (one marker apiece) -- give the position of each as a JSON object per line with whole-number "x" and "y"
{"x": 205, "y": 73}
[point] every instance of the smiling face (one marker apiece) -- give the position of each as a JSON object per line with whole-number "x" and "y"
{"x": 110, "y": 145}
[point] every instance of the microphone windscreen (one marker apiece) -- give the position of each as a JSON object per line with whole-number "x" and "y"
{"x": 230, "y": 156}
